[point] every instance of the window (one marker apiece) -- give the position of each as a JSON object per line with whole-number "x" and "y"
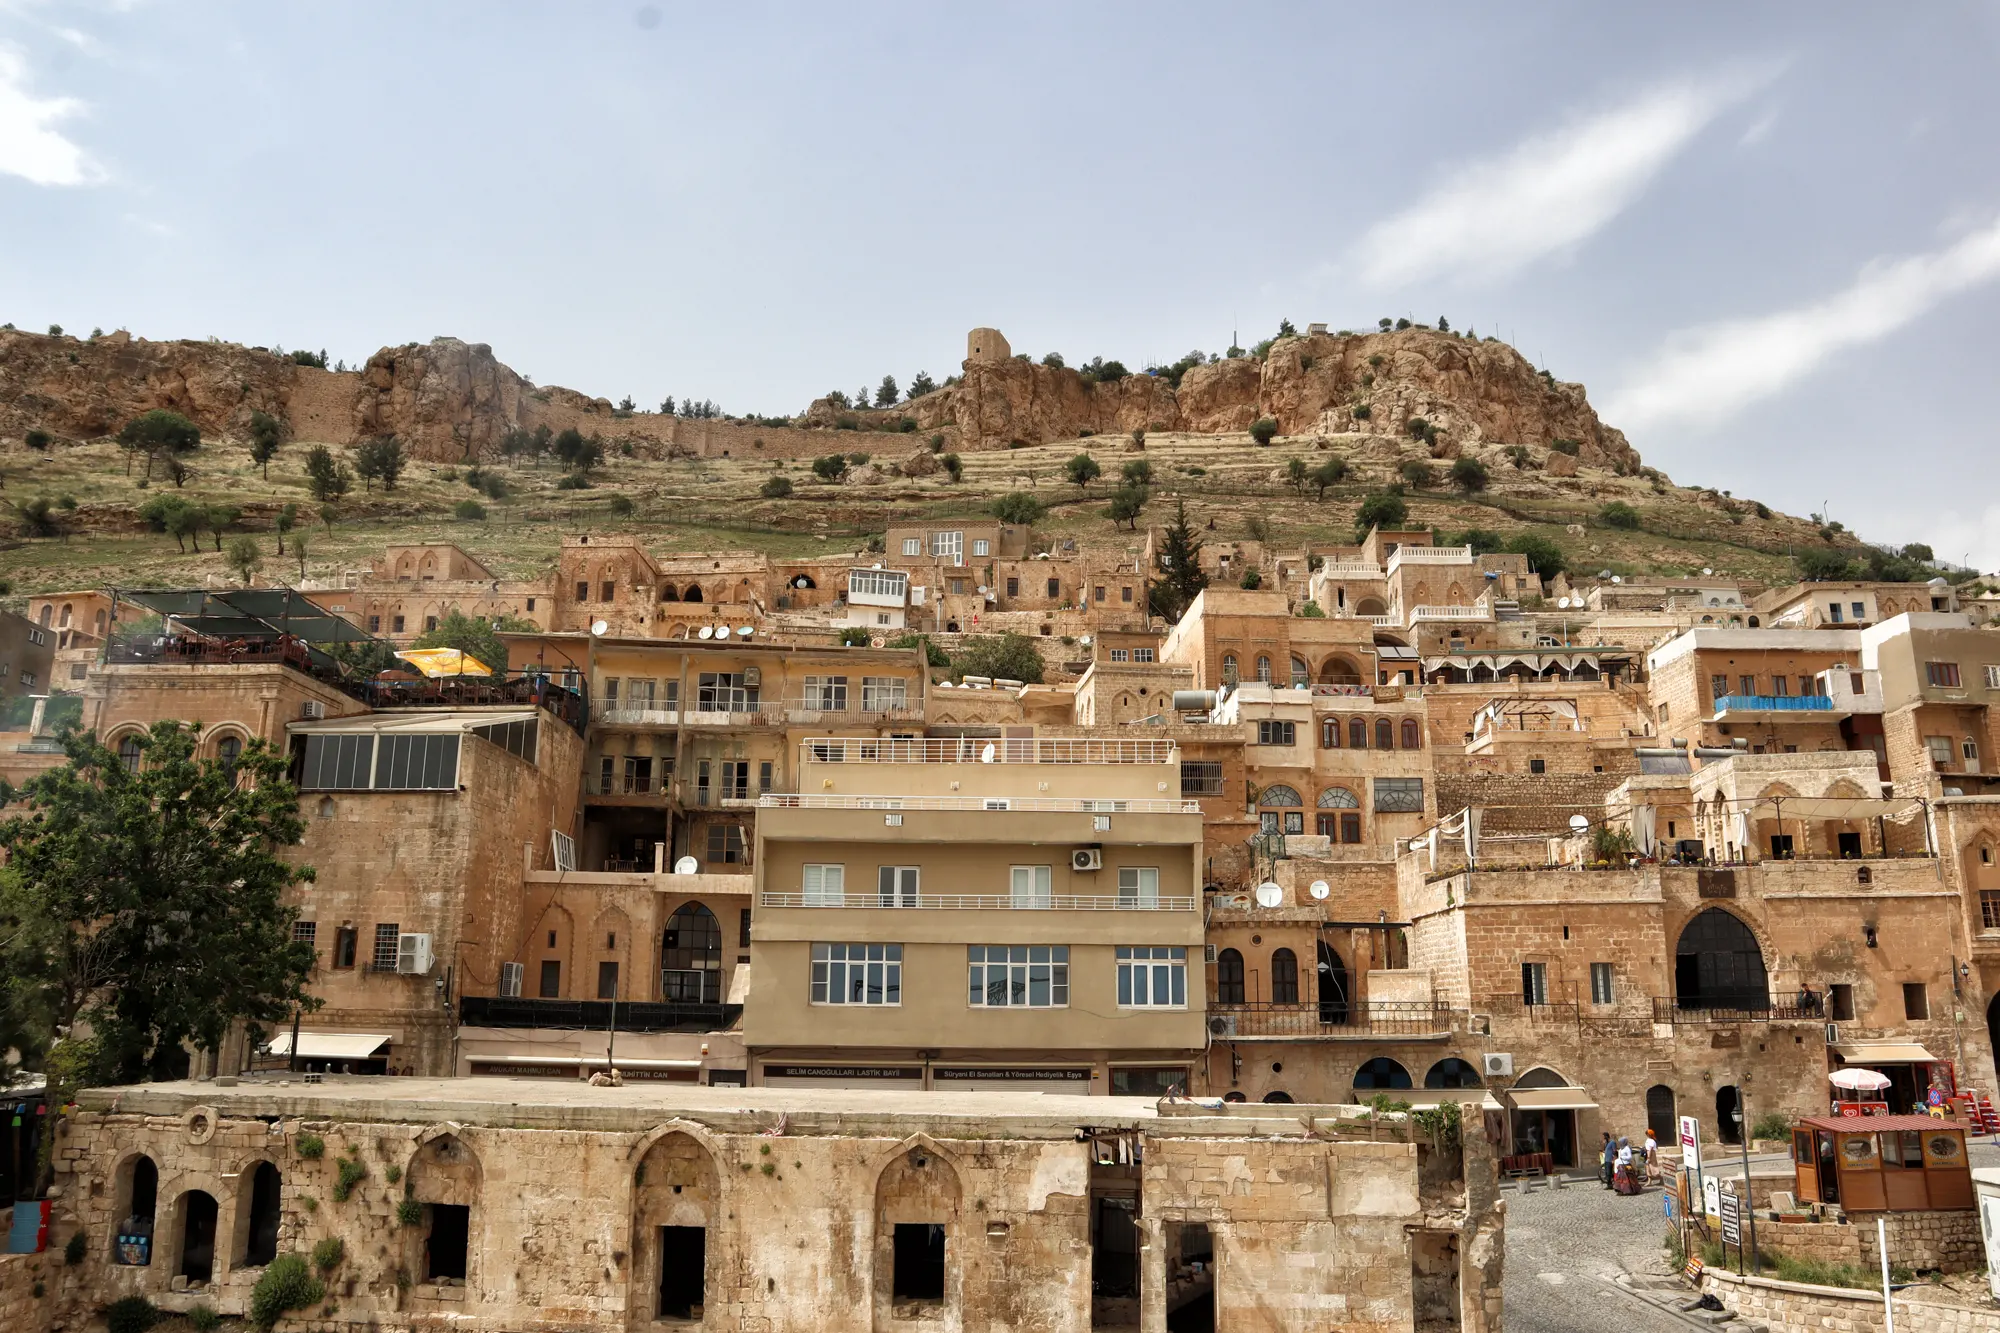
{"x": 638, "y": 775}
{"x": 1903, "y": 1148}
{"x": 1399, "y": 795}
{"x": 1121, "y": 654}
{"x": 1018, "y": 976}
{"x": 877, "y": 582}
{"x": 1916, "y": 1003}
{"x": 1284, "y": 977}
{"x": 883, "y": 693}
{"x": 531, "y": 604}
{"x": 1718, "y": 686}
{"x": 1055, "y": 587}
{"x": 344, "y": 938}
{"x": 610, "y": 691}
{"x": 374, "y": 624}
{"x": 1538, "y": 765}
{"x": 826, "y": 694}
{"x": 1138, "y": 886}
{"x": 823, "y": 885}
{"x": 1031, "y": 886}
{"x": 1357, "y": 733}
{"x": 1146, "y": 1082}
{"x": 1534, "y": 983}
{"x": 957, "y": 587}
{"x": 1097, "y": 593}
{"x": 1143, "y": 655}
{"x": 416, "y": 763}
{"x": 913, "y": 546}
{"x": 857, "y": 974}
{"x": 917, "y": 1272}
{"x": 981, "y": 546}
{"x": 1125, "y": 594}
{"x": 1277, "y": 733}
{"x": 896, "y": 886}
{"x": 1860, "y": 610}
{"x": 1152, "y": 977}
{"x": 1229, "y": 977}
{"x": 1942, "y": 674}
{"x": 724, "y": 692}
{"x": 395, "y": 624}
{"x": 1940, "y": 750}
{"x": 1992, "y": 678}
{"x": 1329, "y": 733}
{"x": 128, "y": 753}
{"x": 1413, "y": 735}
{"x": 948, "y": 546}
{"x": 1201, "y": 777}
{"x": 1229, "y": 667}
{"x": 1385, "y": 734}
{"x": 1600, "y": 983}
{"x": 1780, "y": 686}
{"x": 1263, "y": 669}
{"x": 430, "y": 623}
{"x": 1834, "y": 609}
{"x": 551, "y": 981}
{"x": 725, "y": 844}
{"x": 607, "y": 981}
{"x": 607, "y": 592}
{"x": 1840, "y": 1002}
{"x": 582, "y": 590}
{"x": 387, "y": 936}
{"x": 1013, "y": 587}
{"x": 1746, "y": 684}
{"x": 306, "y": 933}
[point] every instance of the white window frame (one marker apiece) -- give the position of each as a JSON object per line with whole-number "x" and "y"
{"x": 1149, "y": 970}
{"x": 1534, "y": 983}
{"x": 1142, "y": 655}
{"x": 948, "y": 546}
{"x": 913, "y": 546}
{"x": 1121, "y": 654}
{"x": 826, "y": 694}
{"x": 898, "y": 886}
{"x": 980, "y": 546}
{"x": 823, "y": 884}
{"x": 1941, "y": 750}
{"x": 1993, "y": 678}
{"x": 1139, "y": 886}
{"x": 884, "y": 693}
{"x": 879, "y": 982}
{"x": 1603, "y": 985}
{"x": 1031, "y": 887}
{"x": 1006, "y": 976}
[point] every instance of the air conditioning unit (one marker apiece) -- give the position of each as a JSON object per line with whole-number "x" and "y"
{"x": 510, "y": 979}
{"x": 1222, "y": 1025}
{"x": 413, "y": 954}
{"x": 1498, "y": 1064}
{"x": 1087, "y": 858}
{"x": 1833, "y": 1034}
{"x": 753, "y": 677}
{"x": 312, "y": 710}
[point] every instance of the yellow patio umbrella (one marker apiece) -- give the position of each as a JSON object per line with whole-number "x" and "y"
{"x": 444, "y": 662}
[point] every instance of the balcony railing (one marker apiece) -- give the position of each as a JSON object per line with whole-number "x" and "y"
{"x": 982, "y": 902}
{"x": 1773, "y": 703}
{"x": 979, "y": 750}
{"x": 1065, "y": 805}
{"x": 719, "y": 713}
{"x": 1797, "y": 1006}
{"x": 643, "y": 1016}
{"x": 1429, "y": 555}
{"x": 1451, "y": 613}
{"x": 854, "y": 704}
{"x": 1330, "y": 1018}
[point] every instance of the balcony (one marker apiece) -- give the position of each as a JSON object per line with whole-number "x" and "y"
{"x": 978, "y": 750}
{"x": 833, "y": 708}
{"x": 1796, "y": 1007}
{"x": 712, "y": 713}
{"x": 1061, "y": 805}
{"x": 596, "y": 1015}
{"x": 1331, "y": 1019}
{"x": 1429, "y": 555}
{"x": 981, "y": 902}
{"x": 1478, "y": 611}
{"x": 1729, "y": 705}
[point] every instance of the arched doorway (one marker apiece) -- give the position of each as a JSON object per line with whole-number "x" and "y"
{"x": 196, "y": 1230}
{"x": 917, "y": 1239}
{"x": 1332, "y": 974}
{"x": 444, "y": 1178}
{"x": 693, "y": 593}
{"x": 677, "y": 1192}
{"x": 1452, "y": 1072}
{"x": 257, "y": 1218}
{"x": 691, "y": 957}
{"x": 136, "y": 1195}
{"x": 1381, "y": 1074}
{"x": 1284, "y": 977}
{"x": 1660, "y": 1117}
{"x": 1717, "y": 965}
{"x": 1726, "y": 1103}
{"x": 1229, "y": 977}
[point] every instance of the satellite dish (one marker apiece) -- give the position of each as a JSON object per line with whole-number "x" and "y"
{"x": 687, "y": 865}
{"x": 745, "y": 631}
{"x": 1578, "y": 823}
{"x": 598, "y": 627}
{"x": 878, "y": 642}
{"x": 1707, "y": 571}
{"x": 986, "y": 755}
{"x": 1320, "y": 888}
{"x": 706, "y": 632}
{"x": 1617, "y": 578}
{"x": 1270, "y": 895}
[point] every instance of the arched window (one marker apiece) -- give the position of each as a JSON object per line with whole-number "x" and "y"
{"x": 1229, "y": 667}
{"x": 1340, "y": 817}
{"x": 229, "y": 749}
{"x": 128, "y": 753}
{"x": 1283, "y": 810}
{"x": 1263, "y": 669}
{"x": 691, "y": 957}
{"x": 1277, "y": 1098}
{"x": 1279, "y": 794}
{"x": 1332, "y": 978}
{"x": 1541, "y": 1076}
{"x": 1717, "y": 965}
{"x": 1357, "y": 733}
{"x": 1229, "y": 977}
{"x": 1301, "y": 677}
{"x": 1338, "y": 798}
{"x": 1381, "y": 1072}
{"x": 48, "y": 613}
{"x": 670, "y": 593}
{"x": 1329, "y": 733}
{"x": 67, "y": 611}
{"x": 101, "y": 621}
{"x": 1385, "y": 734}
{"x": 135, "y": 1200}
{"x": 1452, "y": 1072}
{"x": 1284, "y": 977}
{"x": 1413, "y": 735}
{"x": 693, "y": 593}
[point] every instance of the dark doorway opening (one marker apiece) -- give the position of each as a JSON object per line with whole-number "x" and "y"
{"x": 1660, "y": 1116}
{"x": 1190, "y": 1278}
{"x": 1727, "y": 1130}
{"x": 683, "y": 1272}
{"x": 919, "y": 1261}
{"x": 134, "y": 1243}
{"x": 445, "y": 1242}
{"x": 1849, "y": 844}
{"x": 262, "y": 1246}
{"x": 198, "y": 1236}
{"x": 1114, "y": 1261}
{"x": 1717, "y": 965}
{"x": 1331, "y": 974}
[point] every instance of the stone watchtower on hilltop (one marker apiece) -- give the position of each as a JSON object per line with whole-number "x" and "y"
{"x": 986, "y": 346}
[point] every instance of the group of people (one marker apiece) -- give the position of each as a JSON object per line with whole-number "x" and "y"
{"x": 1625, "y": 1168}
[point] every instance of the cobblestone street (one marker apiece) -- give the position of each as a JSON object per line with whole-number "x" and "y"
{"x": 1566, "y": 1247}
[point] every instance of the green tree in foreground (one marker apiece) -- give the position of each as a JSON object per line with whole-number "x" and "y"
{"x": 1181, "y": 575}
{"x": 1007, "y": 656}
{"x": 148, "y": 902}
{"x": 1127, "y": 503}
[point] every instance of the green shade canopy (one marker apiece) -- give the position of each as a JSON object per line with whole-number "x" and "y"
{"x": 249, "y": 613}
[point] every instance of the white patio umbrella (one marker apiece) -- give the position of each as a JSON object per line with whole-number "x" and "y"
{"x": 1858, "y": 1080}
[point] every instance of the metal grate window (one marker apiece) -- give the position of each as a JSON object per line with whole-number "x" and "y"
{"x": 387, "y": 934}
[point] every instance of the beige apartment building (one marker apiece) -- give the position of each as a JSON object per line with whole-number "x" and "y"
{"x": 964, "y": 913}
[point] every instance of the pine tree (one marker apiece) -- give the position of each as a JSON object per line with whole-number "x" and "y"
{"x": 1181, "y": 574}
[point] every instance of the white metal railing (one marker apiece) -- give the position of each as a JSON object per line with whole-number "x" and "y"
{"x": 981, "y": 750}
{"x": 854, "y": 705}
{"x": 983, "y": 902}
{"x": 1451, "y": 613}
{"x": 621, "y": 716}
{"x": 1349, "y": 572}
{"x": 1429, "y": 555}
{"x": 1380, "y": 622}
{"x": 1065, "y": 805}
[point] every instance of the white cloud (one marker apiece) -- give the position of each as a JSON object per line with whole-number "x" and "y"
{"x": 30, "y": 145}
{"x": 1494, "y": 217}
{"x": 1705, "y": 375}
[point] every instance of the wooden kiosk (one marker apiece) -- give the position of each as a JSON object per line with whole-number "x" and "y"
{"x": 1896, "y": 1163}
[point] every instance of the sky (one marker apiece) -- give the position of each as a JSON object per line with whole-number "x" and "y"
{"x": 1765, "y": 237}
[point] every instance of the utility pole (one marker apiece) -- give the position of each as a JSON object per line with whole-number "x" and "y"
{"x": 1743, "y": 1141}
{"x": 611, "y": 1037}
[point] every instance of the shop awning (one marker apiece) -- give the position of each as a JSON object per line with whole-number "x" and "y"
{"x": 1834, "y": 807}
{"x": 1553, "y": 1099}
{"x": 1882, "y": 1053}
{"x": 436, "y": 662}
{"x": 1425, "y": 1099}
{"x": 331, "y": 1045}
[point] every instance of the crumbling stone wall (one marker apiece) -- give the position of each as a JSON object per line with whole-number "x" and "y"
{"x": 28, "y": 1291}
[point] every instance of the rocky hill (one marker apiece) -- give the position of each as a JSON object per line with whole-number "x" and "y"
{"x": 451, "y": 401}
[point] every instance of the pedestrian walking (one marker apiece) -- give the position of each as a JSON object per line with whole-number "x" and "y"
{"x": 1606, "y": 1157}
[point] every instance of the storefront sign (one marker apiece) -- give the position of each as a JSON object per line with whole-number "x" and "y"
{"x": 1691, "y": 1143}
{"x": 1732, "y": 1219}
{"x": 1711, "y": 1195}
{"x": 969, "y": 1075}
{"x": 890, "y": 1074}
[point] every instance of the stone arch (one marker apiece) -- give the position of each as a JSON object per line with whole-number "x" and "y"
{"x": 125, "y": 744}
{"x": 669, "y": 593}
{"x": 1452, "y": 1072}
{"x": 1284, "y": 976}
{"x": 445, "y": 1178}
{"x": 1454, "y": 595}
{"x": 1264, "y": 668}
{"x": 1301, "y": 674}
{"x": 676, "y": 1232}
{"x": 918, "y": 1269}
{"x": 557, "y": 919}
{"x": 212, "y": 740}
{"x": 1660, "y": 1117}
{"x": 406, "y": 566}
{"x": 1229, "y": 977}
{"x": 1279, "y": 794}
{"x": 693, "y": 593}
{"x": 1542, "y": 1076}
{"x": 48, "y": 613}
{"x": 610, "y": 941}
{"x": 101, "y": 623}
{"x": 1339, "y": 669}
{"x": 259, "y": 1213}
{"x": 1845, "y": 836}
{"x": 1772, "y": 822}
{"x": 1420, "y": 595}
{"x": 193, "y": 1225}
{"x": 1371, "y": 606}
{"x": 691, "y": 956}
{"x": 1331, "y": 982}
{"x": 68, "y": 614}
{"x": 1719, "y": 964}
{"x": 1381, "y": 1073}
{"x": 135, "y": 1206}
